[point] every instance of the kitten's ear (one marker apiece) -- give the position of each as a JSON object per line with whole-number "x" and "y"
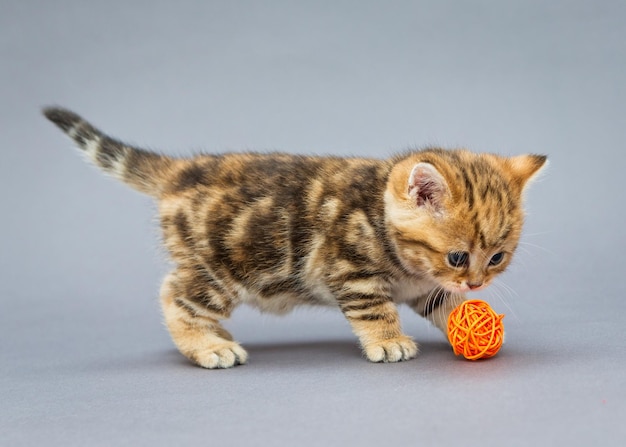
{"x": 525, "y": 168}
{"x": 427, "y": 187}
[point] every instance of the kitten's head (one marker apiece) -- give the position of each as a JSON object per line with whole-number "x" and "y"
{"x": 456, "y": 216}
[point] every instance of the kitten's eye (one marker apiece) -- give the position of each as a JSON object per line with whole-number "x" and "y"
{"x": 496, "y": 259}
{"x": 458, "y": 258}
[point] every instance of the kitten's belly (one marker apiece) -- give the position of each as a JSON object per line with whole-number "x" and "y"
{"x": 282, "y": 303}
{"x": 318, "y": 294}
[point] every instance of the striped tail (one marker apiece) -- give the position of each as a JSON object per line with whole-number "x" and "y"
{"x": 143, "y": 170}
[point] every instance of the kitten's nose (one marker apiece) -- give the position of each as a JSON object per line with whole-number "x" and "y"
{"x": 474, "y": 286}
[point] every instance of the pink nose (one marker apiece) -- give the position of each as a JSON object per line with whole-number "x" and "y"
{"x": 473, "y": 286}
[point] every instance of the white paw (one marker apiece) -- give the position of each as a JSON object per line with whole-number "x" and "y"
{"x": 391, "y": 350}
{"x": 225, "y": 355}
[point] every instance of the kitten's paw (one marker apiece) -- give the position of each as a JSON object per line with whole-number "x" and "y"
{"x": 225, "y": 355}
{"x": 391, "y": 350}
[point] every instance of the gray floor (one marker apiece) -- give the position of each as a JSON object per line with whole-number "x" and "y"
{"x": 84, "y": 358}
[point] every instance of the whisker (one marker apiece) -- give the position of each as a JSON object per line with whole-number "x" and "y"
{"x": 429, "y": 304}
{"x": 454, "y": 297}
{"x": 495, "y": 291}
{"x": 425, "y": 307}
{"x": 538, "y": 246}
{"x": 500, "y": 283}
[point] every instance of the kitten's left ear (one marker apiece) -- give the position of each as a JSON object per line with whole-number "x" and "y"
{"x": 427, "y": 187}
{"x": 525, "y": 168}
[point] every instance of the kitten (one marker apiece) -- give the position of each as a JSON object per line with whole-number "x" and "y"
{"x": 277, "y": 230}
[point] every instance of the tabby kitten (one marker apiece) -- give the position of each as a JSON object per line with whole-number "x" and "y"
{"x": 277, "y": 230}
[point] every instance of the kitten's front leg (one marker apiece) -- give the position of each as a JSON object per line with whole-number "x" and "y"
{"x": 368, "y": 307}
{"x": 436, "y": 306}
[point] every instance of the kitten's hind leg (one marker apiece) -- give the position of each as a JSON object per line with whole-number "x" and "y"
{"x": 193, "y": 305}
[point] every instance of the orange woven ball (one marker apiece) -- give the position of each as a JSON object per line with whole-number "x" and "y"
{"x": 475, "y": 330}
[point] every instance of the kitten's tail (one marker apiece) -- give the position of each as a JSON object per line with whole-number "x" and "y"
{"x": 143, "y": 170}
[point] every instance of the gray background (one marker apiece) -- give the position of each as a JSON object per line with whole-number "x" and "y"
{"x": 84, "y": 358}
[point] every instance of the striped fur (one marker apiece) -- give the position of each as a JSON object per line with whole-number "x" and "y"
{"x": 141, "y": 169}
{"x": 276, "y": 231}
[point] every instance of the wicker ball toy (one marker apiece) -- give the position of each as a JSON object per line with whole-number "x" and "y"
{"x": 475, "y": 330}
